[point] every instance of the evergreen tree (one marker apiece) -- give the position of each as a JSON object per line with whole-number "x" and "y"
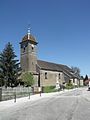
{"x": 86, "y": 77}
{"x": 9, "y": 66}
{"x": 86, "y": 80}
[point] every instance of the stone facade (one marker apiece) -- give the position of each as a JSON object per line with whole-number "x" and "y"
{"x": 50, "y": 78}
{"x": 28, "y": 56}
{"x": 45, "y": 73}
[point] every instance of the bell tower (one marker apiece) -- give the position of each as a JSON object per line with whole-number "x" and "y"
{"x": 28, "y": 54}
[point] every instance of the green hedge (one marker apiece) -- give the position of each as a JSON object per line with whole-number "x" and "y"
{"x": 69, "y": 86}
{"x": 48, "y": 89}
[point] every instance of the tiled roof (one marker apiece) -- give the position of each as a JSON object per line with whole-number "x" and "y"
{"x": 48, "y": 65}
{"x": 44, "y": 65}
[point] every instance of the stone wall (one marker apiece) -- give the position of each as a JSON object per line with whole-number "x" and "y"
{"x": 36, "y": 80}
{"x": 52, "y": 78}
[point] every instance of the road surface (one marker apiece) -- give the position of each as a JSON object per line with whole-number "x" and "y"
{"x": 71, "y": 105}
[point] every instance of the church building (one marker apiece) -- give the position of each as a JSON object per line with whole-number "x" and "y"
{"x": 45, "y": 73}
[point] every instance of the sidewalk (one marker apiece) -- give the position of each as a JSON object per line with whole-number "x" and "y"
{"x": 10, "y": 103}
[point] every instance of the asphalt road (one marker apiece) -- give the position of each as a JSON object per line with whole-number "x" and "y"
{"x": 70, "y": 105}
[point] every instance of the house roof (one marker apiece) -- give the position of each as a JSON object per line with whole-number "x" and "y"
{"x": 44, "y": 65}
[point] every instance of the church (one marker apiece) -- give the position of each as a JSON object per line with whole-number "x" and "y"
{"x": 45, "y": 73}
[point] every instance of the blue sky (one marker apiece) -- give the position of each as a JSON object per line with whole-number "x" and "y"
{"x": 62, "y": 28}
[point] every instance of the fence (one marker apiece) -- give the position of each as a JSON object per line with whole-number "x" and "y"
{"x": 0, "y": 94}
{"x": 13, "y": 93}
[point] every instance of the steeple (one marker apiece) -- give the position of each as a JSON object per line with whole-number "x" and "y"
{"x": 30, "y": 38}
{"x": 28, "y": 58}
{"x": 29, "y": 32}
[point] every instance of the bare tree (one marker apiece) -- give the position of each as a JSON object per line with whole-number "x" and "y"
{"x": 76, "y": 71}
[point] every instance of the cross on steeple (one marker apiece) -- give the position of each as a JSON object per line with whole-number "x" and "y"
{"x": 29, "y": 31}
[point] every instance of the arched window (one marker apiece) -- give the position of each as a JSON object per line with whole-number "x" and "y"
{"x": 45, "y": 75}
{"x": 59, "y": 75}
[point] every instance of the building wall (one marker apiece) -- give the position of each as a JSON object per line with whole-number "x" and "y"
{"x": 81, "y": 82}
{"x": 52, "y": 78}
{"x": 66, "y": 78}
{"x": 28, "y": 57}
{"x": 35, "y": 80}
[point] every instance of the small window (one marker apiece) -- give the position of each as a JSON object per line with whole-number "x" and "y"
{"x": 45, "y": 75}
{"x": 59, "y": 75}
{"x": 32, "y": 48}
{"x": 24, "y": 48}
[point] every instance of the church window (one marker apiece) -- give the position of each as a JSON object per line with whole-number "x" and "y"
{"x": 24, "y": 49}
{"x": 45, "y": 75}
{"x": 59, "y": 75}
{"x": 32, "y": 48}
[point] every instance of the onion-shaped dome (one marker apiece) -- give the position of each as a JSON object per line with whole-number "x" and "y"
{"x": 29, "y": 38}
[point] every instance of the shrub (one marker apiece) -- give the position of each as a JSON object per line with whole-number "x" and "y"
{"x": 48, "y": 89}
{"x": 28, "y": 79}
{"x": 69, "y": 86}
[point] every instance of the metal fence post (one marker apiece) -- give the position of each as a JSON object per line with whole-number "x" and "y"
{"x": 29, "y": 95}
{"x": 15, "y": 97}
{"x": 0, "y": 94}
